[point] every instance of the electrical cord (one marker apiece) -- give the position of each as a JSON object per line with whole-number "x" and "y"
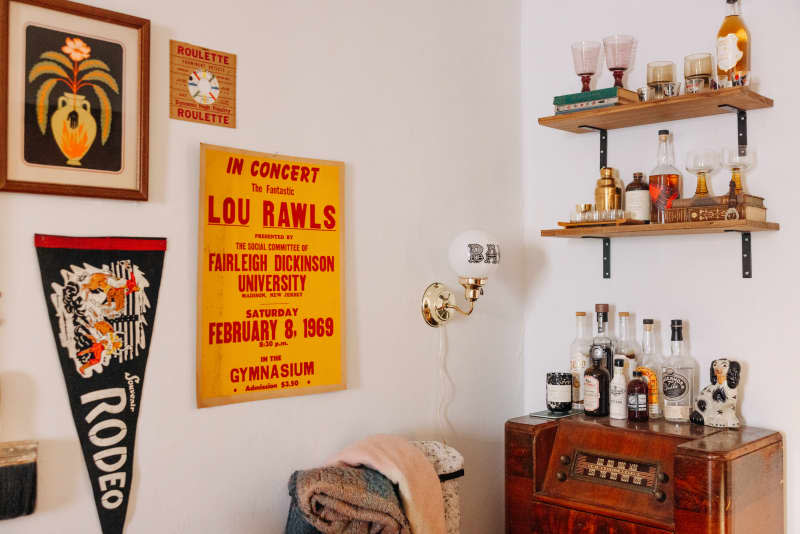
{"x": 446, "y": 391}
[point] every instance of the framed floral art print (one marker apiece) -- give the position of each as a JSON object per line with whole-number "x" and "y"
{"x": 75, "y": 84}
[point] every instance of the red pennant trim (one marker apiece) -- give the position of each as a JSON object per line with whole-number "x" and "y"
{"x": 100, "y": 243}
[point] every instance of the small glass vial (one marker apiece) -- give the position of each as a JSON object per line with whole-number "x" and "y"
{"x": 618, "y": 392}
{"x": 559, "y": 392}
{"x": 637, "y": 399}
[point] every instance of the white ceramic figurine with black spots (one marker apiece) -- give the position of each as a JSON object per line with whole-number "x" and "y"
{"x": 716, "y": 404}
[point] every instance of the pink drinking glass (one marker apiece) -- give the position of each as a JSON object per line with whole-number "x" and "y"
{"x": 585, "y": 56}
{"x": 619, "y": 55}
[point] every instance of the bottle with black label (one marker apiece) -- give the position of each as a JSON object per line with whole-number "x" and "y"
{"x": 637, "y": 399}
{"x": 596, "y": 388}
{"x": 602, "y": 344}
{"x": 677, "y": 378}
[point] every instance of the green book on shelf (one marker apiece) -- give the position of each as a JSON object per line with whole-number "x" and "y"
{"x": 623, "y": 95}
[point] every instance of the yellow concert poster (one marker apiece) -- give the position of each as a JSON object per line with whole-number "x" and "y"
{"x": 270, "y": 318}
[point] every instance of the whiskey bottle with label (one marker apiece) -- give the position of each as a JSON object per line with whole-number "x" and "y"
{"x": 665, "y": 179}
{"x": 733, "y": 48}
{"x": 650, "y": 367}
{"x": 596, "y": 381}
{"x": 579, "y": 358}
{"x": 678, "y": 378}
{"x": 637, "y": 399}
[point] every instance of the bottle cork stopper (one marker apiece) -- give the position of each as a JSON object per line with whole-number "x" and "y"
{"x": 580, "y": 314}
{"x": 601, "y": 308}
{"x": 624, "y": 314}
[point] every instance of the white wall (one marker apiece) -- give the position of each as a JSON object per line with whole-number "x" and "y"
{"x": 421, "y": 100}
{"x": 697, "y": 278}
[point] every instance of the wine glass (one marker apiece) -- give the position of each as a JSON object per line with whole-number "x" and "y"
{"x": 738, "y": 159}
{"x": 619, "y": 55}
{"x": 703, "y": 163}
{"x": 585, "y": 56}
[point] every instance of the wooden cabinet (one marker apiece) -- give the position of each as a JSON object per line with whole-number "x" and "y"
{"x": 586, "y": 475}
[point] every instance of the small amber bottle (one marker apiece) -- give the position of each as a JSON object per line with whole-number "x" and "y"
{"x": 637, "y": 399}
{"x": 637, "y": 199}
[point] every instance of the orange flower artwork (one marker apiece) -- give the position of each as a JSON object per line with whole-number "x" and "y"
{"x": 72, "y": 124}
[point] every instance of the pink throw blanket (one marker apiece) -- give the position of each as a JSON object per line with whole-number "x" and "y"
{"x": 405, "y": 465}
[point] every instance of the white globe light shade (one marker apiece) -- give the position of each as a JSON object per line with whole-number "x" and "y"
{"x": 474, "y": 254}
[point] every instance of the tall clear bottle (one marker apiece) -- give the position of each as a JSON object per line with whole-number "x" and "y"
{"x": 602, "y": 344}
{"x": 665, "y": 179}
{"x": 678, "y": 378}
{"x": 625, "y": 349}
{"x": 579, "y": 357}
{"x": 733, "y": 48}
{"x": 650, "y": 364}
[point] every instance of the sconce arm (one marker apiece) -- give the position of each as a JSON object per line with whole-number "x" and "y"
{"x": 465, "y": 313}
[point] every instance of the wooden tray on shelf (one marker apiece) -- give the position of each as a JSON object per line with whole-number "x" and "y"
{"x": 617, "y": 222}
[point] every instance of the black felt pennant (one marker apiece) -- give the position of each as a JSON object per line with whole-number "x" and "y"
{"x": 101, "y": 295}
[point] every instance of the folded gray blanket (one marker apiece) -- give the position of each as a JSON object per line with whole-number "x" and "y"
{"x": 344, "y": 500}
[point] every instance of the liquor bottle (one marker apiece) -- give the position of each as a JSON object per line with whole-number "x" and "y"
{"x": 579, "y": 358}
{"x": 602, "y": 344}
{"x": 733, "y": 48}
{"x": 596, "y": 388}
{"x": 625, "y": 349}
{"x": 637, "y": 399}
{"x": 606, "y": 192}
{"x": 637, "y": 199}
{"x": 677, "y": 378}
{"x": 618, "y": 392}
{"x": 650, "y": 367}
{"x": 665, "y": 179}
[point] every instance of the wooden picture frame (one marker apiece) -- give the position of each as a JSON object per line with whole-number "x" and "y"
{"x": 92, "y": 139}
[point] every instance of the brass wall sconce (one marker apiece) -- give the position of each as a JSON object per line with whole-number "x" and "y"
{"x": 474, "y": 255}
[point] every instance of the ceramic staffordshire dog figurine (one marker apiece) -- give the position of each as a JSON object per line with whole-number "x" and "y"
{"x": 716, "y": 404}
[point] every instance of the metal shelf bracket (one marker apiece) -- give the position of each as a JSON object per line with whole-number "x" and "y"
{"x": 603, "y": 144}
{"x": 606, "y": 255}
{"x": 747, "y": 256}
{"x": 741, "y": 124}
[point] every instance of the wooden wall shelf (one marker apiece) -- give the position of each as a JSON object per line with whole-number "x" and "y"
{"x": 605, "y": 233}
{"x": 680, "y": 107}
{"x": 706, "y": 227}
